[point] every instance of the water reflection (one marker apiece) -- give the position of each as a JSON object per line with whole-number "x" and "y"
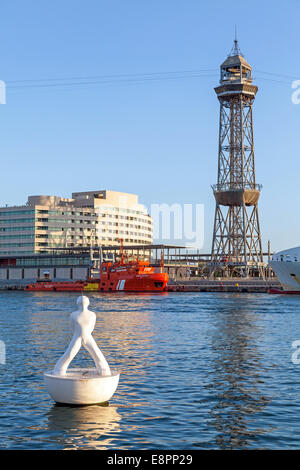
{"x": 92, "y": 427}
{"x": 124, "y": 328}
{"x": 197, "y": 370}
{"x": 237, "y": 374}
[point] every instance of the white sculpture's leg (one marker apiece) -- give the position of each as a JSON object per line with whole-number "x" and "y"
{"x": 63, "y": 363}
{"x": 99, "y": 359}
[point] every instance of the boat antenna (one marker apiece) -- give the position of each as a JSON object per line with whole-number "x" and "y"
{"x": 121, "y": 249}
{"x": 235, "y": 48}
{"x": 161, "y": 259}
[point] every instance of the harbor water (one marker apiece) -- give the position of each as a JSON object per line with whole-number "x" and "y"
{"x": 198, "y": 371}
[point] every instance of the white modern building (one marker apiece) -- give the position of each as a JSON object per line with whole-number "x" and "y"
{"x": 92, "y": 218}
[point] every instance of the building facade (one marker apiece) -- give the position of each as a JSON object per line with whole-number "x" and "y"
{"x": 92, "y": 218}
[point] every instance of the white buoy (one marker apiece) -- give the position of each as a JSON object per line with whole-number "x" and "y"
{"x": 82, "y": 386}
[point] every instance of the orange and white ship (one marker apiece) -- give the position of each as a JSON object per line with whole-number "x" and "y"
{"x": 123, "y": 275}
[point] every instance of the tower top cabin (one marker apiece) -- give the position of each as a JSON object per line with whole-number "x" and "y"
{"x": 235, "y": 69}
{"x": 235, "y": 75}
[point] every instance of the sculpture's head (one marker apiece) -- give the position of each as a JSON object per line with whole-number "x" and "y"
{"x": 83, "y": 301}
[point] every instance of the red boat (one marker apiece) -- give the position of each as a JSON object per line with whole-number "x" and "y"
{"x": 52, "y": 286}
{"x": 127, "y": 276}
{"x": 272, "y": 290}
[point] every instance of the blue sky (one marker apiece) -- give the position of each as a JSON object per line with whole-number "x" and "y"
{"x": 156, "y": 138}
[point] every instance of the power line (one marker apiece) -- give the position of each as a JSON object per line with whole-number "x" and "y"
{"x": 278, "y": 74}
{"x": 284, "y": 82}
{"x": 112, "y": 76}
{"x": 108, "y": 81}
{"x": 128, "y": 78}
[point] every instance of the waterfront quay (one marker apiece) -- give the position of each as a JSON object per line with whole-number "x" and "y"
{"x": 188, "y": 272}
{"x": 224, "y": 285}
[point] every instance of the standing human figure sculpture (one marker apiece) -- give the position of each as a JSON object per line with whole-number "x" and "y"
{"x": 83, "y": 321}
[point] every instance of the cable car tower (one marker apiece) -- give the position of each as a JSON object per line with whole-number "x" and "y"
{"x": 236, "y": 245}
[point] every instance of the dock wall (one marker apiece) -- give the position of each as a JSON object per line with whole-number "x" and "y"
{"x": 15, "y": 276}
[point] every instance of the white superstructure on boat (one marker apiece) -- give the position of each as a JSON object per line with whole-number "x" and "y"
{"x": 286, "y": 265}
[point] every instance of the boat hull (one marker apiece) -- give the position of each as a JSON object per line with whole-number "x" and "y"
{"x": 286, "y": 266}
{"x": 284, "y": 292}
{"x": 56, "y": 286}
{"x": 145, "y": 283}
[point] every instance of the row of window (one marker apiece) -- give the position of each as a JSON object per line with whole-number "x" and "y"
{"x": 81, "y": 229}
{"x": 66, "y": 221}
{"x": 52, "y": 212}
{"x": 61, "y": 244}
{"x": 13, "y": 252}
{"x": 10, "y": 213}
{"x": 107, "y": 209}
{"x": 24, "y": 235}
{"x": 8, "y": 221}
{"x": 120, "y": 224}
{"x": 24, "y": 228}
{"x": 12, "y": 228}
{"x": 93, "y": 222}
{"x": 59, "y": 229}
{"x": 64, "y": 214}
{"x": 53, "y": 236}
{"x": 16, "y": 221}
{"x": 97, "y": 210}
{"x": 52, "y": 261}
{"x": 16, "y": 244}
{"x": 63, "y": 237}
{"x": 62, "y": 229}
{"x": 146, "y": 220}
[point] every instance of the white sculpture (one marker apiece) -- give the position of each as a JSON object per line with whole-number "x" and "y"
{"x": 82, "y": 386}
{"x": 83, "y": 321}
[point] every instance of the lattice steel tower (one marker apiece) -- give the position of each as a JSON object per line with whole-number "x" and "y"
{"x": 236, "y": 245}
